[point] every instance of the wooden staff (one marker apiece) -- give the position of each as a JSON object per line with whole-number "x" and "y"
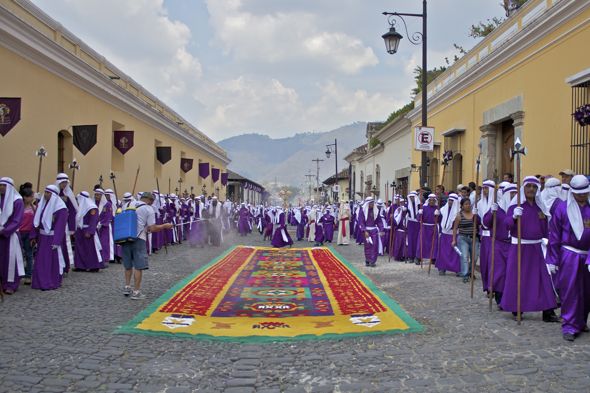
{"x": 169, "y": 186}
{"x": 160, "y": 201}
{"x": 491, "y": 278}
{"x": 112, "y": 176}
{"x": 434, "y": 232}
{"x": 421, "y": 227}
{"x": 518, "y": 150}
{"x": 391, "y": 228}
{"x": 40, "y": 153}
{"x": 135, "y": 182}
{"x": 474, "y": 234}
{"x": 74, "y": 166}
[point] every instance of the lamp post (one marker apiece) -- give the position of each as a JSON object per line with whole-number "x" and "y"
{"x": 392, "y": 39}
{"x": 335, "y": 151}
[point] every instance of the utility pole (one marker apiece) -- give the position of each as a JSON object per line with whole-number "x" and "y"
{"x": 317, "y": 176}
{"x": 309, "y": 176}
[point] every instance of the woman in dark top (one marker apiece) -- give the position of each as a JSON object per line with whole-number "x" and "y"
{"x": 463, "y": 236}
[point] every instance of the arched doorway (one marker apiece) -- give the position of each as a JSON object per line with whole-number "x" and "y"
{"x": 378, "y": 179}
{"x": 64, "y": 150}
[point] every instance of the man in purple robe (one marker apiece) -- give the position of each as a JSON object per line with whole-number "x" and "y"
{"x": 428, "y": 239}
{"x": 488, "y": 198}
{"x": 300, "y": 217}
{"x": 328, "y": 221}
{"x": 281, "y": 237}
{"x": 502, "y": 242}
{"x": 87, "y": 254}
{"x": 369, "y": 225}
{"x": 243, "y": 217}
{"x": 11, "y": 215}
{"x": 398, "y": 251}
{"x": 105, "y": 233}
{"x": 215, "y": 225}
{"x": 49, "y": 234}
{"x": 569, "y": 242}
{"x": 318, "y": 234}
{"x": 67, "y": 195}
{"x": 447, "y": 259}
{"x": 413, "y": 227}
{"x": 537, "y": 292}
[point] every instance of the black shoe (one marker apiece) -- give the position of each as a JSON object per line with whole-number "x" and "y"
{"x": 367, "y": 264}
{"x": 442, "y": 273}
{"x": 568, "y": 337}
{"x": 549, "y": 316}
{"x": 373, "y": 265}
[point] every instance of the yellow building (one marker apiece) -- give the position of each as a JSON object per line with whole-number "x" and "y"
{"x": 63, "y": 84}
{"x": 523, "y": 80}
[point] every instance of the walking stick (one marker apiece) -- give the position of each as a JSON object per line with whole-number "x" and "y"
{"x": 391, "y": 226}
{"x": 491, "y": 278}
{"x": 112, "y": 177}
{"x": 74, "y": 166}
{"x": 40, "y": 153}
{"x": 135, "y": 182}
{"x": 160, "y": 201}
{"x": 169, "y": 186}
{"x": 421, "y": 232}
{"x": 474, "y": 234}
{"x": 518, "y": 150}
{"x": 434, "y": 232}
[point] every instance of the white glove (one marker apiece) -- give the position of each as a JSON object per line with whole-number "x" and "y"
{"x": 38, "y": 196}
{"x": 98, "y": 226}
{"x": 404, "y": 209}
{"x": 55, "y": 246}
{"x": 552, "y": 268}
{"x": 589, "y": 268}
{"x": 474, "y": 210}
{"x": 494, "y": 207}
{"x": 517, "y": 212}
{"x": 545, "y": 241}
{"x": 420, "y": 211}
{"x": 437, "y": 212}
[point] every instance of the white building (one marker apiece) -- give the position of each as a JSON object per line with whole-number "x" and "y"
{"x": 386, "y": 158}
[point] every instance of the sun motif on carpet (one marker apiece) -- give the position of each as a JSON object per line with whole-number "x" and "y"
{"x": 266, "y": 294}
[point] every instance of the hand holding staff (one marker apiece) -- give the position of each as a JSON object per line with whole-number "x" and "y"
{"x": 474, "y": 235}
{"x": 112, "y": 176}
{"x": 518, "y": 151}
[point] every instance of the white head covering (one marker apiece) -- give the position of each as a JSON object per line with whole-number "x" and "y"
{"x": 54, "y": 204}
{"x": 413, "y": 206}
{"x": 85, "y": 204}
{"x": 62, "y": 177}
{"x": 565, "y": 190}
{"x": 448, "y": 214}
{"x": 485, "y": 203}
{"x": 103, "y": 199}
{"x": 501, "y": 190}
{"x": 504, "y": 202}
{"x": 538, "y": 200}
{"x": 10, "y": 197}
{"x": 551, "y": 192}
{"x": 579, "y": 185}
{"x": 368, "y": 200}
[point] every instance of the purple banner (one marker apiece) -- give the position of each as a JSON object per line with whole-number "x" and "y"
{"x": 224, "y": 179}
{"x": 9, "y": 114}
{"x": 215, "y": 174}
{"x": 123, "y": 140}
{"x": 186, "y": 164}
{"x": 204, "y": 169}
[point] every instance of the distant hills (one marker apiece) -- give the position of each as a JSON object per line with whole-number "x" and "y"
{"x": 263, "y": 159}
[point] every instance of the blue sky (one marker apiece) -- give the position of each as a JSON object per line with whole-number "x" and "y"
{"x": 271, "y": 66}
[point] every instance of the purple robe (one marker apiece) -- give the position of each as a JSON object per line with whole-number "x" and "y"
{"x": 198, "y": 229}
{"x": 567, "y": 253}
{"x": 501, "y": 247}
{"x": 10, "y": 227}
{"x": 399, "y": 239}
{"x": 426, "y": 249}
{"x": 277, "y": 239}
{"x": 372, "y": 226}
{"x": 243, "y": 221}
{"x": 46, "y": 269}
{"x": 86, "y": 254}
{"x": 319, "y": 232}
{"x": 536, "y": 287}
{"x": 67, "y": 249}
{"x": 301, "y": 226}
{"x": 412, "y": 232}
{"x": 328, "y": 222}
{"x": 105, "y": 233}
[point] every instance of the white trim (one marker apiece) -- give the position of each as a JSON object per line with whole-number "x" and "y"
{"x": 579, "y": 78}
{"x": 24, "y": 40}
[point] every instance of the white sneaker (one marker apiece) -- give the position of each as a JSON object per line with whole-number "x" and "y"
{"x": 127, "y": 290}
{"x": 137, "y": 295}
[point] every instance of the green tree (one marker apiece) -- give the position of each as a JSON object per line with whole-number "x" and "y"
{"x": 431, "y": 75}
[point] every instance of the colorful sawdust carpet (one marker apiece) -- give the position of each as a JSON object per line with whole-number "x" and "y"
{"x": 266, "y": 294}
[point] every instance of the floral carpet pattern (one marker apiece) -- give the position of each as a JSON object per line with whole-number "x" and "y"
{"x": 267, "y": 294}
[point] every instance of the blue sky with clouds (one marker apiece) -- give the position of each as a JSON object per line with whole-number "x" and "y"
{"x": 271, "y": 66}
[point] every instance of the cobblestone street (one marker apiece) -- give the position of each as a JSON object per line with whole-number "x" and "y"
{"x": 63, "y": 340}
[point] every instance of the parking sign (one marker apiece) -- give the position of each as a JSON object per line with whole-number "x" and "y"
{"x": 424, "y": 137}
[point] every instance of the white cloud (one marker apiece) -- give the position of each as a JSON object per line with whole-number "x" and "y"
{"x": 284, "y": 37}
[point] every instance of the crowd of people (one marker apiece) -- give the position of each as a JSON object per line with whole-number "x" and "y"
{"x": 530, "y": 241}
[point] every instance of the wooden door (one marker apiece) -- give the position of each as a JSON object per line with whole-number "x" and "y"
{"x": 507, "y": 147}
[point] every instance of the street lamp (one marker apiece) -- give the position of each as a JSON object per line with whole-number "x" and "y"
{"x": 328, "y": 152}
{"x": 392, "y": 39}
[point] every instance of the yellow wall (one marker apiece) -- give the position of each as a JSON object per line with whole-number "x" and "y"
{"x": 538, "y": 75}
{"x": 51, "y": 104}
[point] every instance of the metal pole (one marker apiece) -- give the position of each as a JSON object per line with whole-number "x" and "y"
{"x": 336, "y": 160}
{"x": 423, "y": 169}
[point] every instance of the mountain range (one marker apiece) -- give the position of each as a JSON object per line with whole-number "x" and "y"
{"x": 287, "y": 160}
